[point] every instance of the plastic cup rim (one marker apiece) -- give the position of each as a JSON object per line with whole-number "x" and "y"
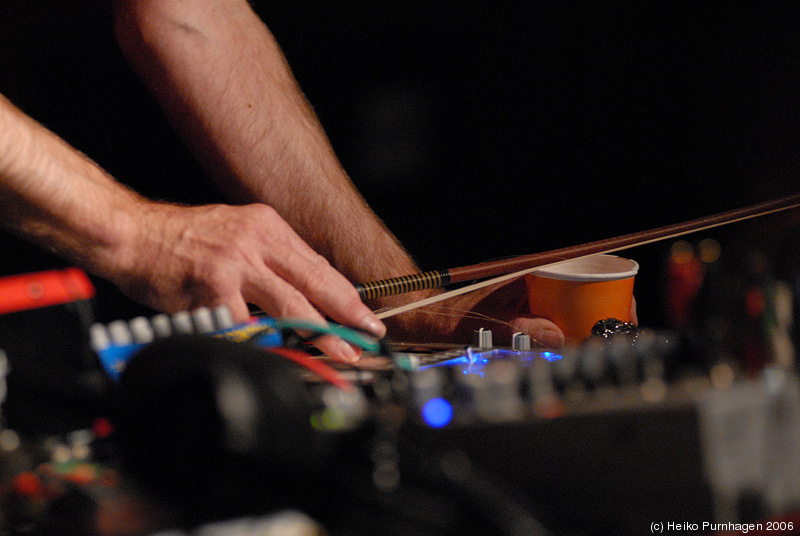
{"x": 561, "y": 270}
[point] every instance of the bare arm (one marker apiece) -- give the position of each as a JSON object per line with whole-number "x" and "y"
{"x": 223, "y": 81}
{"x": 58, "y": 198}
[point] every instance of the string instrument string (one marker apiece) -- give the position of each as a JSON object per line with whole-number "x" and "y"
{"x": 511, "y": 268}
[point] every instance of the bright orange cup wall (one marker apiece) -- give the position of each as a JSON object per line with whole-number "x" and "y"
{"x": 576, "y": 306}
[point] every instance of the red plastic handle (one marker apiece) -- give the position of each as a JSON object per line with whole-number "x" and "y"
{"x": 43, "y": 289}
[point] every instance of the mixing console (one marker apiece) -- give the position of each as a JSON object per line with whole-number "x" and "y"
{"x": 187, "y": 424}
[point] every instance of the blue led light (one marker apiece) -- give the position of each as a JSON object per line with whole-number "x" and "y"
{"x": 437, "y": 412}
{"x": 551, "y": 356}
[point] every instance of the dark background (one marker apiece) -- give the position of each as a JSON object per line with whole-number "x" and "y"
{"x": 476, "y": 131}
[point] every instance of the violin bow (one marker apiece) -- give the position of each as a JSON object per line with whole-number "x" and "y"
{"x": 515, "y": 266}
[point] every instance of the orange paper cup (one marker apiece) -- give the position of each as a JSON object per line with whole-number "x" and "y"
{"x": 577, "y": 294}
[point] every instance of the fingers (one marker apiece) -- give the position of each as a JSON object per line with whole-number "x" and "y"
{"x": 239, "y": 310}
{"x": 279, "y": 299}
{"x": 546, "y": 333}
{"x": 314, "y": 282}
{"x": 541, "y": 331}
{"x": 328, "y": 290}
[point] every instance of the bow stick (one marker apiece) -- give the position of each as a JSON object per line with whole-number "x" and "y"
{"x": 441, "y": 278}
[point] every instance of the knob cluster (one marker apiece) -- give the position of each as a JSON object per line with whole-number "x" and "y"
{"x": 142, "y": 330}
{"x": 502, "y": 384}
{"x": 117, "y": 341}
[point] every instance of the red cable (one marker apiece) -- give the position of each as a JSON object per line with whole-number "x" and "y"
{"x": 322, "y": 369}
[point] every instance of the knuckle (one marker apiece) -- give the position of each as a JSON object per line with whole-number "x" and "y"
{"x": 261, "y": 213}
{"x": 241, "y": 232}
{"x": 242, "y": 222}
{"x": 317, "y": 276}
{"x": 294, "y": 305}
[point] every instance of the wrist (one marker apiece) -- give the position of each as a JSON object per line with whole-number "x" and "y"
{"x": 111, "y": 243}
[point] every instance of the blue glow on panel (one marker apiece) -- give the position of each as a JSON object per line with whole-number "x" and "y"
{"x": 551, "y": 356}
{"x": 475, "y": 361}
{"x": 448, "y": 363}
{"x": 437, "y": 412}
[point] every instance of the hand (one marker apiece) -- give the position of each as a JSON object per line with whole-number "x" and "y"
{"x": 187, "y": 257}
{"x": 503, "y": 308}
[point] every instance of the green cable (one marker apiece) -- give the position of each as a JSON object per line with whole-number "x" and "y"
{"x": 346, "y": 334}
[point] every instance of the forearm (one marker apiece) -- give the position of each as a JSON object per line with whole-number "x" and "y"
{"x": 56, "y": 197}
{"x": 223, "y": 81}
